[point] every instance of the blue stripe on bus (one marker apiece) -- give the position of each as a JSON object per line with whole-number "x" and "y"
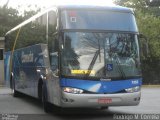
{"x": 101, "y": 86}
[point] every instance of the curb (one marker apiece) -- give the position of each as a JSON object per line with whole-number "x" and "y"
{"x": 2, "y": 85}
{"x": 151, "y": 86}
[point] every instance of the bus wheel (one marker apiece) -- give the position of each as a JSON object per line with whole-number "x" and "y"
{"x": 15, "y": 93}
{"x": 44, "y": 100}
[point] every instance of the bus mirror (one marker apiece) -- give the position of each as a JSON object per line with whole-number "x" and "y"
{"x": 56, "y": 73}
{"x": 144, "y": 50}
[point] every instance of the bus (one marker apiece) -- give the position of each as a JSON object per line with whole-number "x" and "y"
{"x": 77, "y": 56}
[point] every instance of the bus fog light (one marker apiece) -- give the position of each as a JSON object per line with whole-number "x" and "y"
{"x": 72, "y": 90}
{"x": 134, "y": 89}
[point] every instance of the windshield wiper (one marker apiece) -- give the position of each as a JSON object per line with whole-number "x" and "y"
{"x": 120, "y": 68}
{"x": 92, "y": 63}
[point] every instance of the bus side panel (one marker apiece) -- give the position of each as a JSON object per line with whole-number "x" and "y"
{"x": 26, "y": 61}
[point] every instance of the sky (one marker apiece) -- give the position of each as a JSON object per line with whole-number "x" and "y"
{"x": 47, "y": 3}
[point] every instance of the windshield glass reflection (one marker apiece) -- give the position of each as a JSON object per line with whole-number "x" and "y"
{"x": 102, "y": 55}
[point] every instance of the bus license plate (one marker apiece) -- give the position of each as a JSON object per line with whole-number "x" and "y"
{"x": 105, "y": 100}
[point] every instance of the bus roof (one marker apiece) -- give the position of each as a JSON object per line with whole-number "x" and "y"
{"x": 93, "y": 7}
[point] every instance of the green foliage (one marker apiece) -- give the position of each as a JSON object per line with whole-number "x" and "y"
{"x": 137, "y": 4}
{"x": 154, "y": 3}
{"x": 149, "y": 25}
{"x": 10, "y": 17}
{"x": 28, "y": 14}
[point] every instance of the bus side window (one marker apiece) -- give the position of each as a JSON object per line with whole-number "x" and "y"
{"x": 53, "y": 40}
{"x": 40, "y": 61}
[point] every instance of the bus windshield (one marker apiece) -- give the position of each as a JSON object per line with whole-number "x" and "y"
{"x": 100, "y": 55}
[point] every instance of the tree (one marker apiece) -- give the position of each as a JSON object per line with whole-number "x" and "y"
{"x": 154, "y": 3}
{"x": 137, "y": 4}
{"x": 6, "y": 4}
{"x": 10, "y": 17}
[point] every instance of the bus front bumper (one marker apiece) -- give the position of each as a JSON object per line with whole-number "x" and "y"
{"x": 100, "y": 100}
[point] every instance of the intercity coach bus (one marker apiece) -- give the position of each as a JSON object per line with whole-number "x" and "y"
{"x": 77, "y": 56}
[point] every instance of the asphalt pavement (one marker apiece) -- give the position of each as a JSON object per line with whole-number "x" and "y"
{"x": 27, "y": 108}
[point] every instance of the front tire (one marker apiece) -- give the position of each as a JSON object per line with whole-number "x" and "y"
{"x": 44, "y": 100}
{"x": 15, "y": 93}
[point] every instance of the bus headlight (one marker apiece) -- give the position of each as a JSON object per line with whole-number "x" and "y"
{"x": 134, "y": 89}
{"x": 72, "y": 90}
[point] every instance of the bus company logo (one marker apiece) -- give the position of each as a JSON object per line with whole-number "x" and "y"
{"x": 27, "y": 57}
{"x": 9, "y": 117}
